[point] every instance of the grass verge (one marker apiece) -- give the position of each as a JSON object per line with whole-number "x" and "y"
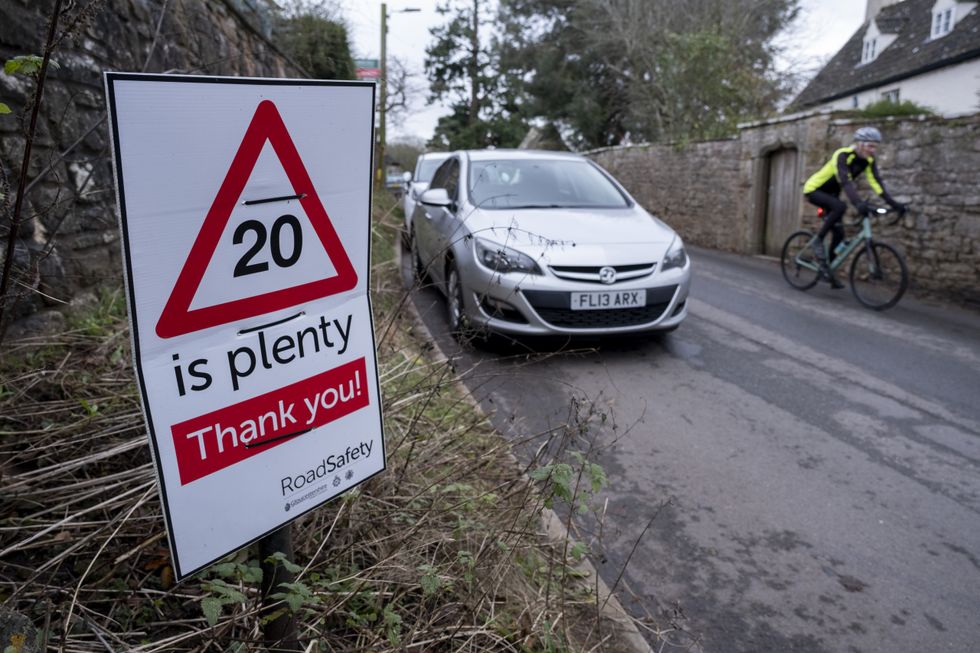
{"x": 443, "y": 552}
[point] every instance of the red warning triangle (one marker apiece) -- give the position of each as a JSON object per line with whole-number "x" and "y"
{"x": 177, "y": 317}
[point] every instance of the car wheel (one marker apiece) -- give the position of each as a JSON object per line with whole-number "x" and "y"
{"x": 418, "y": 270}
{"x": 455, "y": 314}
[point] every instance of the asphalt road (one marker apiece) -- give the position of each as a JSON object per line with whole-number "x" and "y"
{"x": 811, "y": 468}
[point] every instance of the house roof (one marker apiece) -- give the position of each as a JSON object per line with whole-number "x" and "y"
{"x": 911, "y": 53}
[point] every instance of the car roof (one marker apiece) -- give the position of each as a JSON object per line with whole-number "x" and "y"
{"x": 435, "y": 155}
{"x": 512, "y": 154}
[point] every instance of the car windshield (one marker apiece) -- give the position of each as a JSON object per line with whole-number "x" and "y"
{"x": 541, "y": 183}
{"x": 427, "y": 168}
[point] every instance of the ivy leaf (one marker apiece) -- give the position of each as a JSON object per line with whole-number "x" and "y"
{"x": 541, "y": 473}
{"x": 280, "y": 557}
{"x": 25, "y": 64}
{"x": 578, "y": 550}
{"x": 227, "y": 592}
{"x": 4, "y": 108}
{"x": 225, "y": 569}
{"x": 393, "y": 626}
{"x": 429, "y": 581}
{"x": 211, "y": 607}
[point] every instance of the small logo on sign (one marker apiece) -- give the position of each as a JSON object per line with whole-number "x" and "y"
{"x": 607, "y": 275}
{"x": 336, "y": 481}
{"x": 349, "y": 475}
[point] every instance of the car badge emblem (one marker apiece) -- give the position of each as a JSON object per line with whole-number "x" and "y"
{"x": 607, "y": 275}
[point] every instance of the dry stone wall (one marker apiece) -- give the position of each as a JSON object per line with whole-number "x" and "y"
{"x": 715, "y": 193}
{"x": 682, "y": 186}
{"x": 68, "y": 241}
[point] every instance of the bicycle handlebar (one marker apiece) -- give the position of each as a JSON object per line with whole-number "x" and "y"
{"x": 876, "y": 211}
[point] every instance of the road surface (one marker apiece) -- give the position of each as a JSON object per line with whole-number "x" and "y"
{"x": 811, "y": 468}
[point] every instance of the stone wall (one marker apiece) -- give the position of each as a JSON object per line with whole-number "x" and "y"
{"x": 715, "y": 193}
{"x": 69, "y": 238}
{"x": 682, "y": 186}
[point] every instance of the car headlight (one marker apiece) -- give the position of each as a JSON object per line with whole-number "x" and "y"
{"x": 676, "y": 256}
{"x": 503, "y": 259}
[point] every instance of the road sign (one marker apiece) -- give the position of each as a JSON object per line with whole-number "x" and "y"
{"x": 367, "y": 69}
{"x": 245, "y": 213}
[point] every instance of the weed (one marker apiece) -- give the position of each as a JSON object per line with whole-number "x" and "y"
{"x": 886, "y": 108}
{"x": 444, "y": 552}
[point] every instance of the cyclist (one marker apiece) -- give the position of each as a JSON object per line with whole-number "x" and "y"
{"x": 823, "y": 190}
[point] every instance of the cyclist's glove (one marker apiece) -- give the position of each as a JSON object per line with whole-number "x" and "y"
{"x": 864, "y": 208}
{"x": 901, "y": 208}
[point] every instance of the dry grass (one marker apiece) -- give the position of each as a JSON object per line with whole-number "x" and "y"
{"x": 443, "y": 552}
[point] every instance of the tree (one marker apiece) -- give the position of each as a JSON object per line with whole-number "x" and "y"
{"x": 463, "y": 67}
{"x": 608, "y": 71}
{"x": 316, "y": 38}
{"x": 405, "y": 152}
{"x": 402, "y": 90}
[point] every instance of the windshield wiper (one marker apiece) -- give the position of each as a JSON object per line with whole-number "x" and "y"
{"x": 535, "y": 206}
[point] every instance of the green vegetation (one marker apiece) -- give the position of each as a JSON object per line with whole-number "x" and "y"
{"x": 465, "y": 69}
{"x": 886, "y": 108}
{"x": 442, "y": 552}
{"x": 671, "y": 70}
{"x": 316, "y": 38}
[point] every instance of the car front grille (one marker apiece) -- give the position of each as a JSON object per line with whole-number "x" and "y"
{"x": 554, "y": 308}
{"x": 590, "y": 273}
{"x": 620, "y": 317}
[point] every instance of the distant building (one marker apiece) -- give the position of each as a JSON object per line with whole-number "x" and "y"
{"x": 924, "y": 51}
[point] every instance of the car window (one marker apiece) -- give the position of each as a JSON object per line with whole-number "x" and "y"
{"x": 542, "y": 183}
{"x": 427, "y": 168}
{"x": 447, "y": 176}
{"x": 439, "y": 177}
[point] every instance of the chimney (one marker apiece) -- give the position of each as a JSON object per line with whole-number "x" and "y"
{"x": 874, "y": 6}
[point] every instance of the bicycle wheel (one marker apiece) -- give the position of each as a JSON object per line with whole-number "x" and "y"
{"x": 800, "y": 267}
{"x": 879, "y": 277}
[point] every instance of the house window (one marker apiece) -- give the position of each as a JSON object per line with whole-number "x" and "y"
{"x": 890, "y": 96}
{"x": 870, "y": 50}
{"x": 854, "y": 102}
{"x": 942, "y": 22}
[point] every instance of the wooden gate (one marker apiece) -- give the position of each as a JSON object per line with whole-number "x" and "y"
{"x": 782, "y": 200}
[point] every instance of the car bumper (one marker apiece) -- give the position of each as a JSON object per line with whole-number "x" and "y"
{"x": 540, "y": 305}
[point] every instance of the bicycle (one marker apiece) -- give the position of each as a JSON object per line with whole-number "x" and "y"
{"x": 878, "y": 276}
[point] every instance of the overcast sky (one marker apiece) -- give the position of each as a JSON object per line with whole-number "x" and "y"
{"x": 825, "y": 25}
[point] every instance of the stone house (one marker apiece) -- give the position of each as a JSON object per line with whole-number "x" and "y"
{"x": 924, "y": 51}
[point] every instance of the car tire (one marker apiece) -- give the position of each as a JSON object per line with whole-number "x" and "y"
{"x": 455, "y": 309}
{"x": 419, "y": 277}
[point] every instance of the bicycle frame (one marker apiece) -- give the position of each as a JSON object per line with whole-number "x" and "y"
{"x": 862, "y": 239}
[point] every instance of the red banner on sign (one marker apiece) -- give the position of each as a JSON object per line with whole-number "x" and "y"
{"x": 217, "y": 440}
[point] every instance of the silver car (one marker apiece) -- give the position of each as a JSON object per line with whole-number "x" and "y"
{"x": 537, "y": 243}
{"x": 417, "y": 182}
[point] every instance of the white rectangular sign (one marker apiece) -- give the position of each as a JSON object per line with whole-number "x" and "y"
{"x": 244, "y": 208}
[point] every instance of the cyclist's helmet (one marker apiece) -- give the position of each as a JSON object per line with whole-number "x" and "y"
{"x": 867, "y": 135}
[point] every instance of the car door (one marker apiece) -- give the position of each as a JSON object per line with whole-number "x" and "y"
{"x": 434, "y": 226}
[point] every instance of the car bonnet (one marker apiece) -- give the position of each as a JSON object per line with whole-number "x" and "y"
{"x": 565, "y": 235}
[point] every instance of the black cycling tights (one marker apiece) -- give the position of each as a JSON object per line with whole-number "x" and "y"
{"x": 835, "y": 209}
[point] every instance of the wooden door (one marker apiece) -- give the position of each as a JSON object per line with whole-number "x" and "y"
{"x": 782, "y": 200}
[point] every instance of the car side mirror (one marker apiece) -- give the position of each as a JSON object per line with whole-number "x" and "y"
{"x": 435, "y": 197}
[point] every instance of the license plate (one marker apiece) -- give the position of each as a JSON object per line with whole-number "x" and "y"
{"x": 602, "y": 300}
